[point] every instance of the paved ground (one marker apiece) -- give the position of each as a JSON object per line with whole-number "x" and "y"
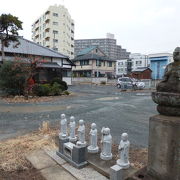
{"x": 105, "y": 105}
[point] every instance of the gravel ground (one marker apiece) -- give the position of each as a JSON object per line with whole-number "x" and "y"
{"x": 105, "y": 105}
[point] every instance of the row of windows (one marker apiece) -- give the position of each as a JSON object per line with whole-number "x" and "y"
{"x": 125, "y": 63}
{"x": 98, "y": 63}
{"x": 122, "y": 70}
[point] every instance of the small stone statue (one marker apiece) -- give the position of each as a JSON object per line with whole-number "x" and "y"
{"x": 167, "y": 95}
{"x": 63, "y": 133}
{"x": 81, "y": 134}
{"x": 106, "y": 144}
{"x": 124, "y": 152}
{"x": 93, "y": 148}
{"x": 72, "y": 128}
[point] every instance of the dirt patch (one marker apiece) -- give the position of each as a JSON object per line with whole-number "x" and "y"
{"x": 29, "y": 174}
{"x": 13, "y": 151}
{"x": 35, "y": 99}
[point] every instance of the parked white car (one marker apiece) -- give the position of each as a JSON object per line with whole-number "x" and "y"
{"x": 130, "y": 83}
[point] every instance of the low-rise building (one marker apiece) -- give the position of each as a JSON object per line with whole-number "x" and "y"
{"x": 50, "y": 63}
{"x": 92, "y": 62}
{"x": 141, "y": 73}
{"x": 137, "y": 60}
{"x": 158, "y": 63}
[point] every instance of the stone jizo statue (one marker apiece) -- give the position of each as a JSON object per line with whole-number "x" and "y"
{"x": 93, "y": 148}
{"x": 124, "y": 152}
{"x": 106, "y": 144}
{"x": 167, "y": 95}
{"x": 81, "y": 134}
{"x": 72, "y": 129}
{"x": 63, "y": 123}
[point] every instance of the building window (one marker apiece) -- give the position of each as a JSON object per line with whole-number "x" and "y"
{"x": 55, "y": 49}
{"x": 55, "y": 23}
{"x": 98, "y": 63}
{"x": 139, "y": 63}
{"x": 55, "y": 40}
{"x": 84, "y": 62}
{"x": 109, "y": 64}
{"x": 55, "y": 32}
{"x": 55, "y": 14}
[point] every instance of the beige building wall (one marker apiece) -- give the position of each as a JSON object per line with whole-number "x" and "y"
{"x": 55, "y": 30}
{"x": 92, "y": 66}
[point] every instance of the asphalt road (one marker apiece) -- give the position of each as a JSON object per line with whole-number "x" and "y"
{"x": 104, "y": 105}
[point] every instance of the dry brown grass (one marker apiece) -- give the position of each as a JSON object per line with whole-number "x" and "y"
{"x": 13, "y": 151}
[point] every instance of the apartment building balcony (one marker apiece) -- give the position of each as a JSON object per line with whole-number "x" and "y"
{"x": 47, "y": 19}
{"x": 47, "y": 28}
{"x": 36, "y": 36}
{"x": 47, "y": 35}
{"x": 47, "y": 43}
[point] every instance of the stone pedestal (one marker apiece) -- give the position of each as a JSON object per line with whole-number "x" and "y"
{"x": 75, "y": 155}
{"x": 164, "y": 148}
{"x": 61, "y": 144}
{"x": 116, "y": 173}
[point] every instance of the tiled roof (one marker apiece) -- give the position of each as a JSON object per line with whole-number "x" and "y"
{"x": 141, "y": 69}
{"x": 31, "y": 48}
{"x": 86, "y": 50}
{"x": 91, "y": 57}
{"x": 49, "y": 65}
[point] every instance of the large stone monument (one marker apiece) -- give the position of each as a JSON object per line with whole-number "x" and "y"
{"x": 123, "y": 148}
{"x": 167, "y": 95}
{"x": 106, "y": 144}
{"x": 164, "y": 129}
{"x": 93, "y": 148}
{"x": 72, "y": 130}
{"x": 81, "y": 134}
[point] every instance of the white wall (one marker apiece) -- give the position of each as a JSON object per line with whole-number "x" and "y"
{"x": 68, "y": 80}
{"x": 138, "y": 60}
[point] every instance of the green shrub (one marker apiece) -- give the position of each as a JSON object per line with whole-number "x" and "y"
{"x": 103, "y": 82}
{"x": 66, "y": 92}
{"x": 13, "y": 78}
{"x": 59, "y": 81}
{"x": 56, "y": 89}
{"x": 42, "y": 89}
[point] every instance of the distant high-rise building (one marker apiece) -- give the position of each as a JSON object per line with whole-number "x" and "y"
{"x": 107, "y": 45}
{"x": 55, "y": 30}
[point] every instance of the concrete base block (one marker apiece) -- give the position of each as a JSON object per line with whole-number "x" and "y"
{"x": 93, "y": 150}
{"x": 164, "y": 147}
{"x": 75, "y": 155}
{"x": 116, "y": 173}
{"x": 106, "y": 158}
{"x": 61, "y": 144}
{"x": 80, "y": 144}
{"x": 80, "y": 165}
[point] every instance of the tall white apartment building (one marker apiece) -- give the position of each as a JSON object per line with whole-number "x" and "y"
{"x": 55, "y": 30}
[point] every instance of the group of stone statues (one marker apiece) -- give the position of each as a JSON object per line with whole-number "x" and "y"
{"x": 106, "y": 140}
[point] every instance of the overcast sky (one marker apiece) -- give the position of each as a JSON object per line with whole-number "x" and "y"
{"x": 144, "y": 26}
